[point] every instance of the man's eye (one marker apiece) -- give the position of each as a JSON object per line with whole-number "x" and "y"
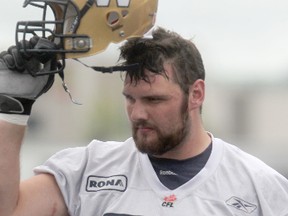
{"x": 129, "y": 98}
{"x": 154, "y": 99}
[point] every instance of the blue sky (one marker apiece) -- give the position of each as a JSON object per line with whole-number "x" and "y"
{"x": 237, "y": 38}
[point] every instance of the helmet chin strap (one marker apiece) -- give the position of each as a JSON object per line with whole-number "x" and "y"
{"x": 112, "y": 68}
{"x": 61, "y": 74}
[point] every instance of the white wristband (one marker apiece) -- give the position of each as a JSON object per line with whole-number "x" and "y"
{"x": 14, "y": 118}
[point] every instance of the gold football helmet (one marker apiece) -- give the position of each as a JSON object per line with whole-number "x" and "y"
{"x": 85, "y": 27}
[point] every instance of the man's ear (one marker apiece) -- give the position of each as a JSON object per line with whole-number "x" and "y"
{"x": 197, "y": 94}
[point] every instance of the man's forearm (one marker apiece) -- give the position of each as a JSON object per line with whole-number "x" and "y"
{"x": 11, "y": 136}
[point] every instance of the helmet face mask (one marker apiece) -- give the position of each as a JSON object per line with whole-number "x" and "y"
{"x": 86, "y": 27}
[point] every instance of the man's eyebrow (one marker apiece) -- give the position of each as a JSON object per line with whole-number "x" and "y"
{"x": 126, "y": 94}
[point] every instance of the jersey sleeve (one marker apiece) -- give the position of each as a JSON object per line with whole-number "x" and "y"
{"x": 67, "y": 166}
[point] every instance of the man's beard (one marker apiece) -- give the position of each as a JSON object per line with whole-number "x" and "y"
{"x": 163, "y": 142}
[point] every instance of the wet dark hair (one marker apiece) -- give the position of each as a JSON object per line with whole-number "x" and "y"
{"x": 164, "y": 46}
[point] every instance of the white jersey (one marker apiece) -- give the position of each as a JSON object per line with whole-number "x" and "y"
{"x": 115, "y": 179}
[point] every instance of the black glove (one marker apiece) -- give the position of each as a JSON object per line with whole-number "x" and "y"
{"x": 18, "y": 87}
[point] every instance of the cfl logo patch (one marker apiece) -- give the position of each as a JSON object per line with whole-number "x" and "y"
{"x": 98, "y": 183}
{"x": 169, "y": 201}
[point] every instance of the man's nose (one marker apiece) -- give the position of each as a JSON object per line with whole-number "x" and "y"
{"x": 138, "y": 112}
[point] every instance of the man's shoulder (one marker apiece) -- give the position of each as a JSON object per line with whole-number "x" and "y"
{"x": 95, "y": 149}
{"x": 237, "y": 155}
{"x": 245, "y": 163}
{"x": 100, "y": 145}
{"x": 109, "y": 149}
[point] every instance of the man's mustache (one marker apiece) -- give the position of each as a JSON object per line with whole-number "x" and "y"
{"x": 142, "y": 124}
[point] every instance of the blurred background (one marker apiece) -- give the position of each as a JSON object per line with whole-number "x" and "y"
{"x": 244, "y": 45}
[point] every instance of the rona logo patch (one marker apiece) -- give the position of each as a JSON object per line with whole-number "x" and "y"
{"x": 98, "y": 183}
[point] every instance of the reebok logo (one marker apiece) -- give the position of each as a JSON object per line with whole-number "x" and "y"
{"x": 241, "y": 204}
{"x": 98, "y": 183}
{"x": 167, "y": 172}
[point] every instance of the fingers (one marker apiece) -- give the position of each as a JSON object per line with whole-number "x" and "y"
{"x": 33, "y": 41}
{"x": 8, "y": 59}
{"x": 13, "y": 59}
{"x": 30, "y": 55}
{"x": 18, "y": 59}
{"x": 43, "y": 45}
